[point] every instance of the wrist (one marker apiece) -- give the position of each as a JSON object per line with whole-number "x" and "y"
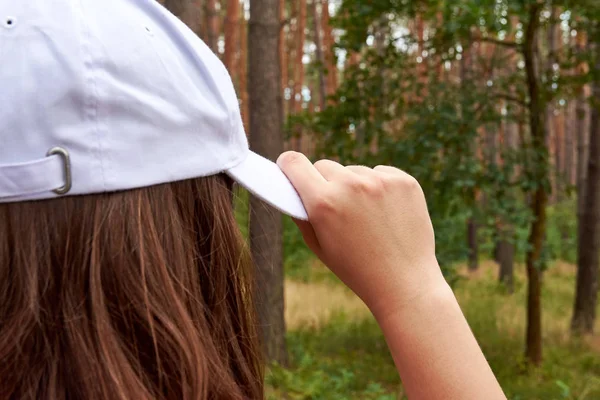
{"x": 432, "y": 295}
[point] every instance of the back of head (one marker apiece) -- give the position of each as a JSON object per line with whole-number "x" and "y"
{"x": 139, "y": 294}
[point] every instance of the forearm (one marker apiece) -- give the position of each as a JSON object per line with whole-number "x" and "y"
{"x": 435, "y": 351}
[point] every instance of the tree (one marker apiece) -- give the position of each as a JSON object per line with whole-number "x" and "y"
{"x": 299, "y": 64}
{"x": 212, "y": 24}
{"x": 539, "y": 196}
{"x": 319, "y": 53}
{"x": 283, "y": 55}
{"x": 327, "y": 47}
{"x": 189, "y": 11}
{"x": 232, "y": 38}
{"x": 264, "y": 80}
{"x": 588, "y": 260}
{"x": 583, "y": 130}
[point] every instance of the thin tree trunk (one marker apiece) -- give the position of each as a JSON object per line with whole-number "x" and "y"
{"x": 212, "y": 29}
{"x": 588, "y": 256}
{"x": 266, "y": 138}
{"x": 582, "y": 128}
{"x": 472, "y": 243}
{"x": 299, "y": 65}
{"x": 506, "y": 255}
{"x": 551, "y": 132}
{"x": 232, "y": 38}
{"x": 539, "y": 198}
{"x": 328, "y": 50}
{"x": 569, "y": 140}
{"x": 187, "y": 11}
{"x": 283, "y": 55}
{"x": 319, "y": 54}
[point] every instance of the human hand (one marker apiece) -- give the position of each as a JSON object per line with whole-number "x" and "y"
{"x": 371, "y": 227}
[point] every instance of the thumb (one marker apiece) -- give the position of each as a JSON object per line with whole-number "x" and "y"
{"x": 305, "y": 178}
{"x": 310, "y": 238}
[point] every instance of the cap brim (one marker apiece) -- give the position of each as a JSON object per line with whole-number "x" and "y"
{"x": 265, "y": 180}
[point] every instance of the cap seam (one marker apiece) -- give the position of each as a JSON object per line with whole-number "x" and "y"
{"x": 91, "y": 101}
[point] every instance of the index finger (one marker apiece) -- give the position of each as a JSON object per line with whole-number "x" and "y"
{"x": 303, "y": 175}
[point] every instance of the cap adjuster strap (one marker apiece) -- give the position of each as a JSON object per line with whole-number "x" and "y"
{"x": 52, "y": 173}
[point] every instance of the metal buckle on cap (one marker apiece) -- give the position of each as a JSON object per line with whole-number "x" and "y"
{"x": 67, "y": 164}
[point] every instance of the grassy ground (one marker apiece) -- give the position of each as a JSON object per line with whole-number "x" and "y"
{"x": 338, "y": 352}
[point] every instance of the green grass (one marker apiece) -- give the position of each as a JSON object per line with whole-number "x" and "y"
{"x": 347, "y": 357}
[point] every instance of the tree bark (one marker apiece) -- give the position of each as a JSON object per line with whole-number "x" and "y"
{"x": 266, "y": 138}
{"x": 327, "y": 47}
{"x": 582, "y": 128}
{"x": 569, "y": 144}
{"x": 188, "y": 11}
{"x": 473, "y": 244}
{"x": 539, "y": 199}
{"x": 283, "y": 55}
{"x": 212, "y": 22}
{"x": 584, "y": 314}
{"x": 232, "y": 38}
{"x": 506, "y": 255}
{"x": 299, "y": 67}
{"x": 551, "y": 132}
{"x": 319, "y": 54}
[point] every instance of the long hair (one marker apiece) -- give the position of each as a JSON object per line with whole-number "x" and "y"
{"x": 141, "y": 294}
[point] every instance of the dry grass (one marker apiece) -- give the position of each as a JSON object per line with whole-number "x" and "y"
{"x": 312, "y": 304}
{"x": 558, "y": 297}
{"x": 345, "y": 354}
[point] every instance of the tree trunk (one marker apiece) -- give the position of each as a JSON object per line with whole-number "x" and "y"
{"x": 551, "y": 132}
{"x": 266, "y": 138}
{"x": 586, "y": 296}
{"x": 569, "y": 140}
{"x": 283, "y": 55}
{"x": 506, "y": 255}
{"x": 539, "y": 199}
{"x": 473, "y": 244}
{"x": 330, "y": 63}
{"x": 212, "y": 22}
{"x": 189, "y": 11}
{"x": 319, "y": 54}
{"x": 232, "y": 39}
{"x": 299, "y": 65}
{"x": 582, "y": 128}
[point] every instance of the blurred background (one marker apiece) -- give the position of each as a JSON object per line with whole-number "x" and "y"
{"x": 494, "y": 105}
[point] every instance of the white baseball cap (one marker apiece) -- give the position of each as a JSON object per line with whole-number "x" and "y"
{"x": 99, "y": 96}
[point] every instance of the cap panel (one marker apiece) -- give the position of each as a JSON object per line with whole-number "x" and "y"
{"x": 41, "y": 79}
{"x": 165, "y": 100}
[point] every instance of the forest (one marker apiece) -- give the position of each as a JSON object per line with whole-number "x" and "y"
{"x": 494, "y": 106}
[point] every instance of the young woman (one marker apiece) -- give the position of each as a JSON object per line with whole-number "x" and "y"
{"x": 122, "y": 271}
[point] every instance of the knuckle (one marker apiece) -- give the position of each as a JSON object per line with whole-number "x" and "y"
{"x": 371, "y": 186}
{"x": 321, "y": 163}
{"x": 291, "y": 158}
{"x": 322, "y": 206}
{"x": 411, "y": 183}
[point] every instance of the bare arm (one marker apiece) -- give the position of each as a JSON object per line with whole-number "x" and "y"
{"x": 371, "y": 227}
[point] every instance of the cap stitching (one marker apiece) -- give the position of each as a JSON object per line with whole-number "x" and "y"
{"x": 91, "y": 101}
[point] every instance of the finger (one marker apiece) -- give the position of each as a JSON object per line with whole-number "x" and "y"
{"x": 361, "y": 170}
{"x": 331, "y": 170}
{"x": 308, "y": 233}
{"x": 301, "y": 172}
{"x": 389, "y": 170}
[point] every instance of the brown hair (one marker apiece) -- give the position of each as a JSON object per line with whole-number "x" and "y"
{"x": 142, "y": 294}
